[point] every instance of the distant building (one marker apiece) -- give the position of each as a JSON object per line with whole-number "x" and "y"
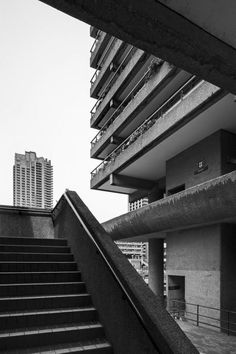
{"x": 136, "y": 252}
{"x": 32, "y": 181}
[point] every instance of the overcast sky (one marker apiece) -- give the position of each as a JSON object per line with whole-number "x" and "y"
{"x": 44, "y": 100}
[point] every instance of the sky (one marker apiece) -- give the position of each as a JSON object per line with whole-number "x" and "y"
{"x": 45, "y": 103}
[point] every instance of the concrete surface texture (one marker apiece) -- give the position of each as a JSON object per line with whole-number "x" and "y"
{"x": 208, "y": 202}
{"x": 208, "y": 341}
{"x": 155, "y": 28}
{"x": 120, "y": 321}
{"x": 22, "y": 223}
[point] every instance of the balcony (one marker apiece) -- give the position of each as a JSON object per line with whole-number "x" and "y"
{"x": 98, "y": 47}
{"x": 111, "y": 56}
{"x": 145, "y": 97}
{"x": 93, "y": 31}
{"x": 123, "y": 76}
{"x": 169, "y": 130}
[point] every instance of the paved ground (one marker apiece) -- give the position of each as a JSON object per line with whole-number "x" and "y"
{"x": 208, "y": 341}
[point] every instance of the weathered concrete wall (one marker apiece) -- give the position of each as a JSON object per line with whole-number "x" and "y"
{"x": 195, "y": 254}
{"x": 228, "y": 151}
{"x": 183, "y": 168}
{"x": 228, "y": 271}
{"x": 25, "y": 223}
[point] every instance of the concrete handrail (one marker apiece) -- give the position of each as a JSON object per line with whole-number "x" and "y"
{"x": 133, "y": 316}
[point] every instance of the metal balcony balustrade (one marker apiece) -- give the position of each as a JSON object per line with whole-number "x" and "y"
{"x": 195, "y": 314}
{"x": 175, "y": 99}
{"x": 131, "y": 95}
{"x": 101, "y": 60}
{"x": 110, "y": 83}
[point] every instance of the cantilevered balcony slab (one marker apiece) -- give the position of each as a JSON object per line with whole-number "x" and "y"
{"x": 103, "y": 75}
{"x": 99, "y": 47}
{"x": 205, "y": 48}
{"x": 138, "y": 109}
{"x": 118, "y": 86}
{"x": 93, "y": 31}
{"x": 130, "y": 182}
{"x": 207, "y": 203}
{"x": 182, "y": 125}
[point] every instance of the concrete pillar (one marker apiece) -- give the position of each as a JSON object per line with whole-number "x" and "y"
{"x": 156, "y": 269}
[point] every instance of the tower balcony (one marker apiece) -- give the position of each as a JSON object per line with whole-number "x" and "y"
{"x": 190, "y": 114}
{"x": 93, "y": 31}
{"x": 111, "y": 57}
{"x": 100, "y": 42}
{"x": 153, "y": 88}
{"x": 124, "y": 77}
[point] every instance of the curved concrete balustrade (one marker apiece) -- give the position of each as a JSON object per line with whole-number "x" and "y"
{"x": 211, "y": 202}
{"x": 133, "y": 317}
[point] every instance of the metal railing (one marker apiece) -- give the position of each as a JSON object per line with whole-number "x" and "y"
{"x": 225, "y": 320}
{"x": 149, "y": 122}
{"x": 109, "y": 84}
{"x": 92, "y": 49}
{"x": 99, "y": 64}
{"x": 131, "y": 95}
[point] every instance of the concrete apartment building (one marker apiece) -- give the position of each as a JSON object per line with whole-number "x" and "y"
{"x": 65, "y": 286}
{"x": 160, "y": 132}
{"x": 32, "y": 181}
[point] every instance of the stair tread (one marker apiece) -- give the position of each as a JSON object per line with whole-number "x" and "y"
{"x": 65, "y": 347}
{"x": 33, "y": 253}
{"x": 35, "y": 262}
{"x": 48, "y": 329}
{"x": 41, "y": 312}
{"x": 43, "y": 272}
{"x": 42, "y": 296}
{"x": 53, "y": 283}
{"x": 29, "y": 246}
{"x": 33, "y": 238}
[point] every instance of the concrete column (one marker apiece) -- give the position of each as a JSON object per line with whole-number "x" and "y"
{"x": 156, "y": 269}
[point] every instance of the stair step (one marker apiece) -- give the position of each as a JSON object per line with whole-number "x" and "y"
{"x": 35, "y": 337}
{"x": 32, "y": 241}
{"x": 42, "y": 257}
{"x": 44, "y": 302}
{"x": 37, "y": 266}
{"x": 17, "y": 320}
{"x": 34, "y": 249}
{"x": 19, "y": 289}
{"x": 39, "y": 277}
{"x": 96, "y": 346}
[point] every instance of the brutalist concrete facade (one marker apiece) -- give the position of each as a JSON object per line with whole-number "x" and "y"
{"x": 161, "y": 132}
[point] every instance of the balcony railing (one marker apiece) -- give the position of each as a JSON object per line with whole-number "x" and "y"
{"x": 132, "y": 94}
{"x": 94, "y": 45}
{"x": 149, "y": 122}
{"x": 110, "y": 83}
{"x": 100, "y": 62}
{"x": 224, "y": 320}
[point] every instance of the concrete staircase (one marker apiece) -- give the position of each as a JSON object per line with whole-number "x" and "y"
{"x": 44, "y": 305}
